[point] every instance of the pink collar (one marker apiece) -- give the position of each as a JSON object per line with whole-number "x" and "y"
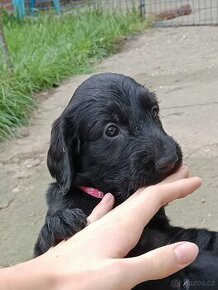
{"x": 92, "y": 191}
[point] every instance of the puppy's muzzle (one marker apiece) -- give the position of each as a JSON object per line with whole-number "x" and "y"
{"x": 165, "y": 165}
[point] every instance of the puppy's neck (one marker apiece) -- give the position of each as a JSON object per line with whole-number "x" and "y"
{"x": 92, "y": 191}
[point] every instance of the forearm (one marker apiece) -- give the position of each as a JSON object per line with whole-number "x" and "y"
{"x": 30, "y": 275}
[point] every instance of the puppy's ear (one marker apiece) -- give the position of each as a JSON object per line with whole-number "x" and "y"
{"x": 61, "y": 155}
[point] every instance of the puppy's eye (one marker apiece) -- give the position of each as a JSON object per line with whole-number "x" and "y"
{"x": 112, "y": 130}
{"x": 155, "y": 111}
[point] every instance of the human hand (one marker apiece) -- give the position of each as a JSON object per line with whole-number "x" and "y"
{"x": 93, "y": 258}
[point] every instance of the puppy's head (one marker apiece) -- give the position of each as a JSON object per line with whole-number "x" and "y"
{"x": 110, "y": 137}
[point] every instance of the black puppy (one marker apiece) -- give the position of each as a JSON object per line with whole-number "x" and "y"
{"x": 110, "y": 139}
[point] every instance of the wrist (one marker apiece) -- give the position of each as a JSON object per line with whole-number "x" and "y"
{"x": 30, "y": 275}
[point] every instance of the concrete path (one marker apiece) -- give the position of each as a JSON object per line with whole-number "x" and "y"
{"x": 181, "y": 66}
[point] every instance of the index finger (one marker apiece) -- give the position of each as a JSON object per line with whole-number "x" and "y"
{"x": 160, "y": 194}
{"x": 182, "y": 172}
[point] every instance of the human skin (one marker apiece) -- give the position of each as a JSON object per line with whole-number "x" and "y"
{"x": 94, "y": 258}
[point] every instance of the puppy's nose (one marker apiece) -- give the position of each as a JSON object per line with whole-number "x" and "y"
{"x": 166, "y": 164}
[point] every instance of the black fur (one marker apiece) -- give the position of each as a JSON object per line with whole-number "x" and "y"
{"x": 110, "y": 137}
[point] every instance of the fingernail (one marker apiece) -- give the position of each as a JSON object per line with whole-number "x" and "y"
{"x": 185, "y": 252}
{"x": 108, "y": 197}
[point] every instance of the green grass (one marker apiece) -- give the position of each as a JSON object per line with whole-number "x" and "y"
{"x": 48, "y": 49}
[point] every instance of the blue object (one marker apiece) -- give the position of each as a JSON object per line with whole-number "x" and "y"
{"x": 57, "y": 6}
{"x": 32, "y": 6}
{"x": 19, "y": 7}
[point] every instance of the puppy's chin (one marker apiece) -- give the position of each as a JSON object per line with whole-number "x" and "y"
{"x": 121, "y": 193}
{"x": 141, "y": 176}
{"x": 152, "y": 178}
{"x": 161, "y": 177}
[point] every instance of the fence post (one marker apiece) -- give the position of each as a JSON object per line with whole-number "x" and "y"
{"x": 142, "y": 8}
{"x": 5, "y": 50}
{"x": 32, "y": 7}
{"x": 57, "y": 6}
{"x": 19, "y": 6}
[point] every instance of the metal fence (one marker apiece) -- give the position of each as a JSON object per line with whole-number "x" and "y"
{"x": 162, "y": 12}
{"x": 32, "y": 7}
{"x": 182, "y": 12}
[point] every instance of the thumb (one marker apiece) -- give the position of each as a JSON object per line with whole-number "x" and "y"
{"x": 159, "y": 263}
{"x": 105, "y": 205}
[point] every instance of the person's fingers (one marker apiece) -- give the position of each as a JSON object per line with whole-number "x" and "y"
{"x": 162, "y": 193}
{"x": 102, "y": 208}
{"x": 158, "y": 263}
{"x": 134, "y": 214}
{"x": 107, "y": 202}
{"x": 182, "y": 172}
{"x": 178, "y": 189}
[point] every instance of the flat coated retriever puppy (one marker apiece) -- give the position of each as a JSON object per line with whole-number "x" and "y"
{"x": 110, "y": 139}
